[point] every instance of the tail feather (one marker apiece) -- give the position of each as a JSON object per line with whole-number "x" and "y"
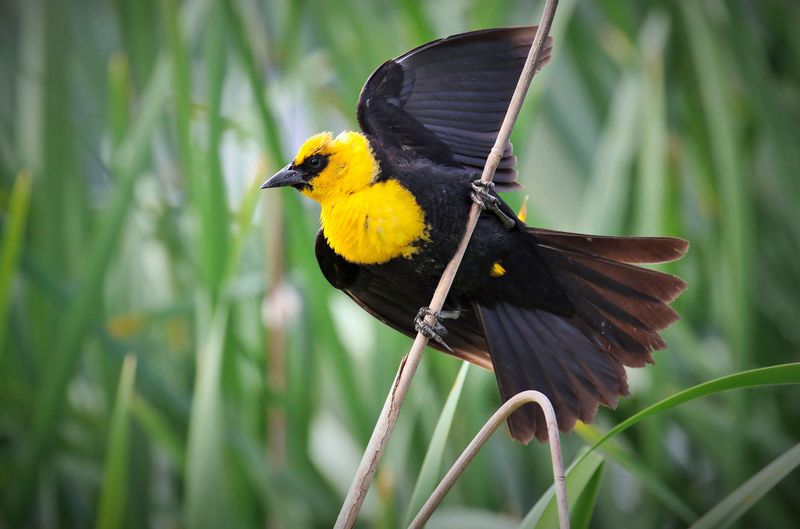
{"x": 619, "y": 306}
{"x": 535, "y": 349}
{"x": 632, "y": 281}
{"x": 645, "y": 314}
{"x": 578, "y": 359}
{"x": 548, "y": 367}
{"x": 631, "y": 250}
{"x": 509, "y": 376}
{"x": 628, "y": 346}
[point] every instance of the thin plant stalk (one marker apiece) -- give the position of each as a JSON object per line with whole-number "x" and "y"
{"x": 408, "y": 365}
{"x": 276, "y": 344}
{"x": 466, "y": 457}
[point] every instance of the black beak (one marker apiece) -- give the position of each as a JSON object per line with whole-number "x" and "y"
{"x": 285, "y": 177}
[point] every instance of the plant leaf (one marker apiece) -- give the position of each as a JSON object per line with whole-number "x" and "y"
{"x": 114, "y": 489}
{"x": 205, "y": 470}
{"x": 738, "y": 502}
{"x": 634, "y": 464}
{"x": 11, "y": 245}
{"x": 581, "y": 512}
{"x": 432, "y": 463}
{"x": 765, "y": 376}
{"x": 578, "y": 476}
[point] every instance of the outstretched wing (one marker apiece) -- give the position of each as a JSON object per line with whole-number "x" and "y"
{"x": 397, "y": 307}
{"x": 446, "y": 100}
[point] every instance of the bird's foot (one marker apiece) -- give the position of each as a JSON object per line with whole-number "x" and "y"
{"x": 433, "y": 331}
{"x": 481, "y": 196}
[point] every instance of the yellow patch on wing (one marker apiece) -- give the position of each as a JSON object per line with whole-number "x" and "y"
{"x": 523, "y": 209}
{"x": 497, "y": 270}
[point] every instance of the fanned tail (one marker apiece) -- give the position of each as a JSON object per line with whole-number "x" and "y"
{"x": 578, "y": 360}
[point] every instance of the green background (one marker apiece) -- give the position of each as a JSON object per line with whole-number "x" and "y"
{"x": 133, "y": 137}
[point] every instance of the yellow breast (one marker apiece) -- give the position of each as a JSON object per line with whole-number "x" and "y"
{"x": 374, "y": 225}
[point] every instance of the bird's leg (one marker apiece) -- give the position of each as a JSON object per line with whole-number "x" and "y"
{"x": 481, "y": 196}
{"x": 434, "y": 331}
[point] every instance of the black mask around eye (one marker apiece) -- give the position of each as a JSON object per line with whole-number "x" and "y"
{"x": 313, "y": 165}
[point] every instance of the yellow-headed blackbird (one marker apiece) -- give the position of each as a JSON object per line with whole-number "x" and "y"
{"x": 561, "y": 313}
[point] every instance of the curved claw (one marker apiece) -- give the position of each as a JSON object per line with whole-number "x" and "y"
{"x": 433, "y": 331}
{"x": 480, "y": 195}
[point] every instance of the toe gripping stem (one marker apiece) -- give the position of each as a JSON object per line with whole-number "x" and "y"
{"x": 480, "y": 195}
{"x": 433, "y": 331}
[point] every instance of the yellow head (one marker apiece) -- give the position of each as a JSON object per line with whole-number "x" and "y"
{"x": 328, "y": 168}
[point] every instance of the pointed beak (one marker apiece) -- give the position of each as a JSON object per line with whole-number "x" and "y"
{"x": 285, "y": 177}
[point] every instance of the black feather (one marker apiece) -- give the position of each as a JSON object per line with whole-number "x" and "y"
{"x": 446, "y": 100}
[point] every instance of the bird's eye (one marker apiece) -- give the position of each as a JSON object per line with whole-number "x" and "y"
{"x": 315, "y": 162}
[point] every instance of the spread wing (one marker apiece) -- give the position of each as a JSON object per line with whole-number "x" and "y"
{"x": 446, "y": 100}
{"x": 397, "y": 307}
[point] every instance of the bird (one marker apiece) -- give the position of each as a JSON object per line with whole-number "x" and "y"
{"x": 558, "y": 312}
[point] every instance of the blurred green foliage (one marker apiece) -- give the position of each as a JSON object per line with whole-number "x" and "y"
{"x": 133, "y": 138}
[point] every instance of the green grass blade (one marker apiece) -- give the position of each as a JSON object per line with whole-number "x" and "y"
{"x": 119, "y": 97}
{"x": 583, "y": 507}
{"x": 644, "y": 473}
{"x": 11, "y": 246}
{"x": 432, "y": 463}
{"x": 652, "y": 166}
{"x": 729, "y": 510}
{"x": 607, "y": 193}
{"x": 243, "y": 219}
{"x": 469, "y": 518}
{"x": 114, "y": 488}
{"x": 206, "y": 494}
{"x": 579, "y": 475}
{"x": 159, "y": 430}
{"x": 765, "y": 376}
{"x": 214, "y": 221}
{"x": 181, "y": 74}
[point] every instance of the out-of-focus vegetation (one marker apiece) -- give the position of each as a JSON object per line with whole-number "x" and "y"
{"x": 170, "y": 355}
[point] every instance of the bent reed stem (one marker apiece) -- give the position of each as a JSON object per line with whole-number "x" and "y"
{"x": 494, "y": 422}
